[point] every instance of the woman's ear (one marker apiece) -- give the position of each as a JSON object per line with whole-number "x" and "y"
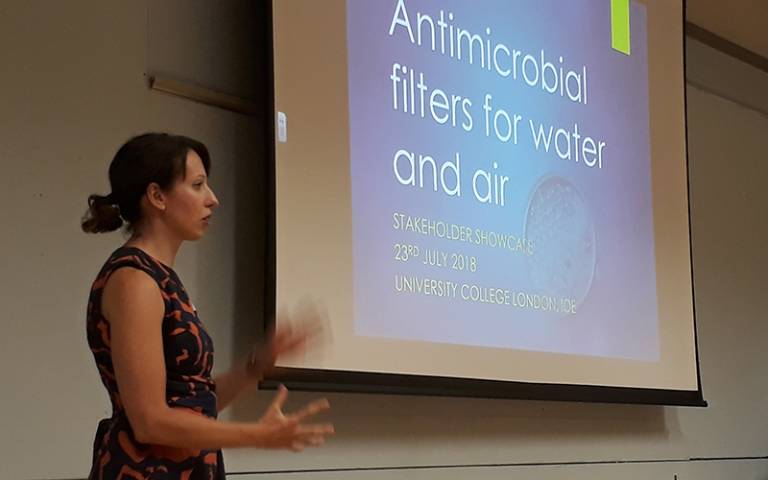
{"x": 155, "y": 196}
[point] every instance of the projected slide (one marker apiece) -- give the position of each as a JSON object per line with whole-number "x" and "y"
{"x": 487, "y": 189}
{"x": 501, "y": 176}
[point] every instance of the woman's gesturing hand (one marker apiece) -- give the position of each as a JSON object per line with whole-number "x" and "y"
{"x": 290, "y": 431}
{"x": 290, "y": 339}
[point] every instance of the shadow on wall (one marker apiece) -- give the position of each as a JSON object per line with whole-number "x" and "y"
{"x": 388, "y": 419}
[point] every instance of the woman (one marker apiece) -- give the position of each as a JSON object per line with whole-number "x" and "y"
{"x": 153, "y": 353}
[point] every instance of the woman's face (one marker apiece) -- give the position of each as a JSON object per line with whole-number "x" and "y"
{"x": 190, "y": 202}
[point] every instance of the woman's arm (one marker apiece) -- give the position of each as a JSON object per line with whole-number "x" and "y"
{"x": 231, "y": 384}
{"x": 133, "y": 305}
{"x": 290, "y": 340}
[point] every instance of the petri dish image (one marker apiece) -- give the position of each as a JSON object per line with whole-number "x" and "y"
{"x": 559, "y": 223}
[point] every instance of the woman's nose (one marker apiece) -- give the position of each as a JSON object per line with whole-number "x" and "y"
{"x": 213, "y": 202}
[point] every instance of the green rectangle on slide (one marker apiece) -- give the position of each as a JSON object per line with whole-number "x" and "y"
{"x": 620, "y": 25}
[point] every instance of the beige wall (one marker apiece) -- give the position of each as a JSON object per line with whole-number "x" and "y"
{"x": 73, "y": 89}
{"x": 740, "y": 21}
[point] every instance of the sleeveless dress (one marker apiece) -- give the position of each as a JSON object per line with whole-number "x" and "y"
{"x": 188, "y": 352}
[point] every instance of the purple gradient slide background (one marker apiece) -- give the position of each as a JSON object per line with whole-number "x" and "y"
{"x": 618, "y": 316}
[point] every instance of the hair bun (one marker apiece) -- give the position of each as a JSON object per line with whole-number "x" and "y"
{"x": 103, "y": 215}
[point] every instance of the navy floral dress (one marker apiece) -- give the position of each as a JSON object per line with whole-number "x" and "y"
{"x": 188, "y": 352}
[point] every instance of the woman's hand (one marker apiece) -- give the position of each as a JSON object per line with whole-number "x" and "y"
{"x": 278, "y": 430}
{"x": 290, "y": 339}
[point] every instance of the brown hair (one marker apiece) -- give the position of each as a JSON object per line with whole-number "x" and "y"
{"x": 149, "y": 158}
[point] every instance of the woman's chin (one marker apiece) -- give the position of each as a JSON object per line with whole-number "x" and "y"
{"x": 197, "y": 235}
